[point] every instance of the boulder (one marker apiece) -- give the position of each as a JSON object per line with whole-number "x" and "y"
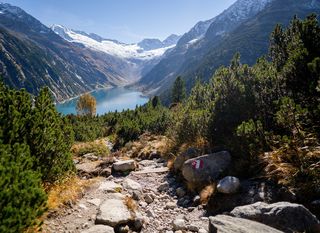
{"x": 99, "y": 229}
{"x": 110, "y": 187}
{"x": 228, "y": 185}
{"x": 86, "y": 168}
{"x": 90, "y": 156}
{"x": 228, "y": 224}
{"x": 113, "y": 212}
{"x": 202, "y": 169}
{"x": 132, "y": 185}
{"x": 285, "y": 216}
{"x": 124, "y": 166}
{"x": 188, "y": 154}
{"x": 250, "y": 191}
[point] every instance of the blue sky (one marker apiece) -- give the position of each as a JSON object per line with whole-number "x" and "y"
{"x": 125, "y": 20}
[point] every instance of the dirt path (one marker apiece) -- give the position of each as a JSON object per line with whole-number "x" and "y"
{"x": 162, "y": 203}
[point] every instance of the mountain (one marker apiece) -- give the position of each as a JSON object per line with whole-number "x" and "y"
{"x": 250, "y": 39}
{"x": 195, "y": 44}
{"x": 147, "y": 49}
{"x": 33, "y": 56}
{"x": 245, "y": 27}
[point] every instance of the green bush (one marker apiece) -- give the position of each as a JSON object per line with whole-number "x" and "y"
{"x": 22, "y": 199}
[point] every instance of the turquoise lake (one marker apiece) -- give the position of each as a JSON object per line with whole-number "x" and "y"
{"x": 108, "y": 100}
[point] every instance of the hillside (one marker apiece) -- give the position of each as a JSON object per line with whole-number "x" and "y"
{"x": 229, "y": 33}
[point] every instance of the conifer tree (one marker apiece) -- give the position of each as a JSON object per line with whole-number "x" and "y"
{"x": 178, "y": 91}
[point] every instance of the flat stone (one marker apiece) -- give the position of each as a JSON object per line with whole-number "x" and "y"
{"x": 124, "y": 165}
{"x": 152, "y": 170}
{"x": 171, "y": 205}
{"x": 228, "y": 224}
{"x": 132, "y": 185}
{"x": 113, "y": 212}
{"x": 95, "y": 201}
{"x": 99, "y": 229}
{"x": 110, "y": 187}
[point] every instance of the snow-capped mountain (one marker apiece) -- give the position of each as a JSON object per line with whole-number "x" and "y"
{"x": 235, "y": 14}
{"x": 145, "y": 50}
{"x": 198, "y": 40}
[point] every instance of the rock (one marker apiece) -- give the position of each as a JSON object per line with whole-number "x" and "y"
{"x": 188, "y": 154}
{"x": 180, "y": 192}
{"x": 202, "y": 231}
{"x": 285, "y": 216}
{"x": 86, "y": 168}
{"x": 179, "y": 224}
{"x": 200, "y": 170}
{"x": 113, "y": 212}
{"x": 90, "y": 156}
{"x": 132, "y": 185}
{"x": 171, "y": 205}
{"x": 110, "y": 187}
{"x": 151, "y": 214}
{"x": 94, "y": 201}
{"x": 193, "y": 228}
{"x": 163, "y": 187}
{"x": 123, "y": 229}
{"x": 147, "y": 163}
{"x": 228, "y": 185}
{"x": 196, "y": 200}
{"x": 99, "y": 229}
{"x": 105, "y": 172}
{"x": 228, "y": 224}
{"x": 251, "y": 191}
{"x": 148, "y": 198}
{"x": 124, "y": 166}
{"x": 136, "y": 195}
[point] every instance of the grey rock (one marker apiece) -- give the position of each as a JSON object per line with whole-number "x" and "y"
{"x": 94, "y": 201}
{"x": 196, "y": 200}
{"x": 136, "y": 195}
{"x": 132, "y": 185}
{"x": 110, "y": 187}
{"x": 180, "y": 192}
{"x": 171, "y": 205}
{"x": 150, "y": 214}
{"x": 285, "y": 216}
{"x": 99, "y": 229}
{"x": 228, "y": 185}
{"x": 163, "y": 187}
{"x": 200, "y": 170}
{"x": 179, "y": 224}
{"x": 124, "y": 166}
{"x": 113, "y": 212}
{"x": 91, "y": 157}
{"x": 202, "y": 231}
{"x": 188, "y": 154}
{"x": 193, "y": 228}
{"x": 148, "y": 198}
{"x": 228, "y": 224}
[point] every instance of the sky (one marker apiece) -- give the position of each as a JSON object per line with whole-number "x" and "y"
{"x": 128, "y": 21}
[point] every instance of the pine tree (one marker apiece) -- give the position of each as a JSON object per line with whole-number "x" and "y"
{"x": 178, "y": 91}
{"x": 50, "y": 138}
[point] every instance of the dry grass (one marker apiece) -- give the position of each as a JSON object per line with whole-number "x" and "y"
{"x": 206, "y": 193}
{"x": 67, "y": 191}
{"x": 296, "y": 168}
{"x": 98, "y": 147}
{"x": 130, "y": 203}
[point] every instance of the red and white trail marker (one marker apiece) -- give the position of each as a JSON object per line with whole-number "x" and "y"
{"x": 197, "y": 164}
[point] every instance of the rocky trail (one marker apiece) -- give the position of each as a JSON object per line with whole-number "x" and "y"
{"x": 142, "y": 195}
{"x": 159, "y": 204}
